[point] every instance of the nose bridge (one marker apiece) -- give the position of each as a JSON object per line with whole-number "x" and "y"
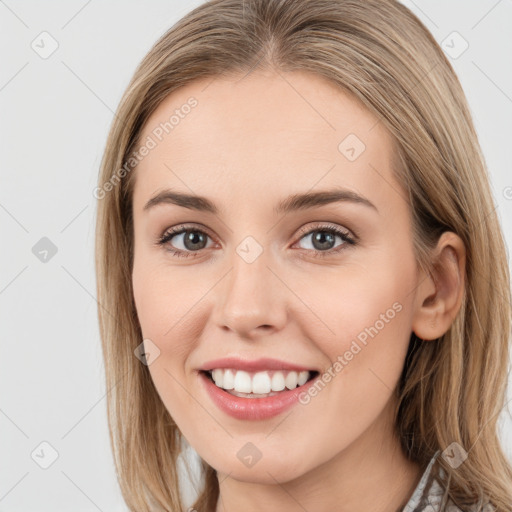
{"x": 251, "y": 296}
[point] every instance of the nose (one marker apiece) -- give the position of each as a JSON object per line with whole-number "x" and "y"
{"x": 251, "y": 299}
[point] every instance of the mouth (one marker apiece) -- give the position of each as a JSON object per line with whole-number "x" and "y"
{"x": 256, "y": 396}
{"x": 260, "y": 384}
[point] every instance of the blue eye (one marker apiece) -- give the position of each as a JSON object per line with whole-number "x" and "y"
{"x": 194, "y": 240}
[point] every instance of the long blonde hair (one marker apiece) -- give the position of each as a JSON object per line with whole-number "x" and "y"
{"x": 452, "y": 389}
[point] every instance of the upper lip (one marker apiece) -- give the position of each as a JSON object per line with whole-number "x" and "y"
{"x": 264, "y": 363}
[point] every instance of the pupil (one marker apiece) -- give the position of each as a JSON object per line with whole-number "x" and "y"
{"x": 193, "y": 237}
{"x": 320, "y": 237}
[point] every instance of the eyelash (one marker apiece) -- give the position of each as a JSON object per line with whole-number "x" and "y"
{"x": 177, "y": 230}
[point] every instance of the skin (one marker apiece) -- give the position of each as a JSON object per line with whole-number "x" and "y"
{"x": 338, "y": 452}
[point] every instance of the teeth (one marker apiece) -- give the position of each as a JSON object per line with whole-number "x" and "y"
{"x": 291, "y": 380}
{"x": 260, "y": 383}
{"x": 302, "y": 378}
{"x": 278, "y": 381}
{"x": 229, "y": 379}
{"x": 218, "y": 377}
{"x": 243, "y": 382}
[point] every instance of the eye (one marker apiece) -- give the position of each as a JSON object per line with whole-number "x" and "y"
{"x": 322, "y": 240}
{"x": 188, "y": 238}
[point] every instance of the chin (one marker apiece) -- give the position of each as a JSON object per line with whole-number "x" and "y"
{"x": 267, "y": 470}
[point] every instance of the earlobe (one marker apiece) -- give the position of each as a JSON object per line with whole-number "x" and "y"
{"x": 439, "y": 294}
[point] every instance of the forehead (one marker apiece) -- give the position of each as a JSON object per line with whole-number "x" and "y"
{"x": 263, "y": 133}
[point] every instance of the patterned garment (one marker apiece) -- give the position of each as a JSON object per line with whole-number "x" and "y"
{"x": 431, "y": 502}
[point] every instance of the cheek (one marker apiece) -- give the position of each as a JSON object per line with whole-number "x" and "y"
{"x": 358, "y": 304}
{"x": 364, "y": 327}
{"x": 164, "y": 309}
{"x": 171, "y": 310}
{"x": 164, "y": 299}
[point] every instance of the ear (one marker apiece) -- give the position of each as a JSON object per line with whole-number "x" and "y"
{"x": 439, "y": 294}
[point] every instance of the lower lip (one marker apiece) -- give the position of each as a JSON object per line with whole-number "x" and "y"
{"x": 254, "y": 408}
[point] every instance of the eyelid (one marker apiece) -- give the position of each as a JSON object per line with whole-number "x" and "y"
{"x": 305, "y": 230}
{"x": 180, "y": 228}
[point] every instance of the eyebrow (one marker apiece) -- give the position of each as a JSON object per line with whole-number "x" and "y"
{"x": 294, "y": 202}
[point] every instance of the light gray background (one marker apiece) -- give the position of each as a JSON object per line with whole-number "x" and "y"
{"x": 55, "y": 114}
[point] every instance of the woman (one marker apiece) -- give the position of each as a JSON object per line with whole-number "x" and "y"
{"x": 300, "y": 271}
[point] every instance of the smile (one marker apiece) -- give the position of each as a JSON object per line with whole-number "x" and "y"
{"x": 255, "y": 395}
{"x": 257, "y": 384}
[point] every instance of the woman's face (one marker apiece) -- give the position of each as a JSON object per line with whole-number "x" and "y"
{"x": 260, "y": 274}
